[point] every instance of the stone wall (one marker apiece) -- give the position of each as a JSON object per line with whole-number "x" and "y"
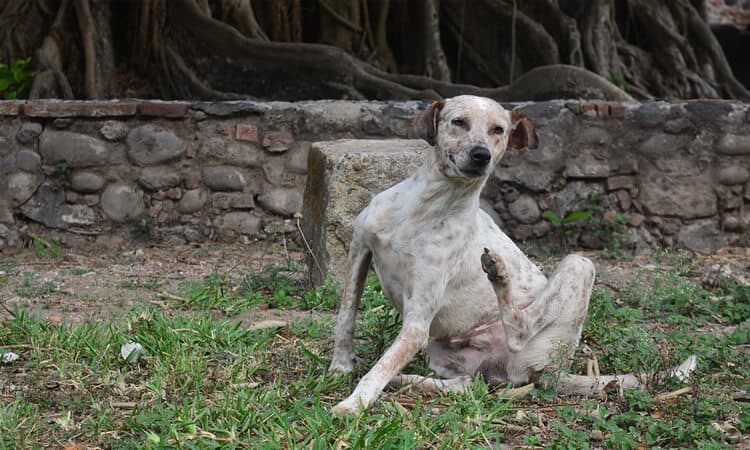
{"x": 189, "y": 171}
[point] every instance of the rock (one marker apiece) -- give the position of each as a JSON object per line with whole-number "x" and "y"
{"x": 273, "y": 169}
{"x": 5, "y": 146}
{"x": 159, "y": 178}
{"x": 525, "y": 209}
{"x": 149, "y": 145}
{"x": 297, "y": 158}
{"x": 22, "y": 185}
{"x": 732, "y": 144}
{"x": 596, "y": 435}
{"x": 46, "y": 205}
{"x": 193, "y": 235}
{"x": 29, "y": 160}
{"x": 77, "y": 215}
{"x": 621, "y": 182}
{"x": 233, "y": 200}
{"x": 192, "y": 201}
{"x": 660, "y": 145}
{"x": 734, "y": 224}
{"x": 277, "y": 141}
{"x": 233, "y": 153}
{"x": 703, "y": 236}
{"x": 245, "y": 107}
{"x": 733, "y": 175}
{"x": 28, "y": 132}
{"x": 223, "y": 178}
{"x": 121, "y": 202}
{"x": 8, "y": 164}
{"x": 62, "y": 122}
{"x": 338, "y": 189}
{"x": 586, "y": 168}
{"x": 114, "y": 130}
{"x": 688, "y": 198}
{"x": 240, "y": 222}
{"x": 530, "y": 176}
{"x": 702, "y": 112}
{"x": 86, "y": 182}
{"x": 282, "y": 201}
{"x": 342, "y": 115}
{"x": 280, "y": 226}
{"x": 71, "y": 197}
{"x": 78, "y": 150}
{"x": 6, "y": 211}
{"x": 651, "y": 114}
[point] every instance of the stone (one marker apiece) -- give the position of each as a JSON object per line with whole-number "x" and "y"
{"x": 91, "y": 199}
{"x": 22, "y": 185}
{"x": 342, "y": 115}
{"x": 660, "y": 145}
{"x": 711, "y": 111}
{"x": 122, "y": 202}
{"x": 624, "y": 200}
{"x": 6, "y": 211}
{"x": 28, "y": 132}
{"x": 29, "y": 160}
{"x": 86, "y": 182}
{"x": 281, "y": 201}
{"x": 71, "y": 197}
{"x": 277, "y": 141}
{"x": 240, "y": 222}
{"x": 273, "y": 170}
{"x": 628, "y": 166}
{"x": 734, "y": 224}
{"x": 114, "y": 130}
{"x": 77, "y": 150}
{"x": 5, "y": 146}
{"x": 233, "y": 200}
{"x": 223, "y": 178}
{"x": 150, "y": 145}
{"x": 193, "y": 235}
{"x": 338, "y": 189}
{"x": 733, "y": 175}
{"x": 160, "y": 108}
{"x": 232, "y": 153}
{"x": 8, "y": 164}
{"x": 159, "y": 178}
{"x": 193, "y": 180}
{"x": 62, "y": 123}
{"x": 246, "y": 132}
{"x": 174, "y": 193}
{"x": 525, "y": 210}
{"x": 78, "y": 216}
{"x": 530, "y": 176}
{"x": 732, "y": 144}
{"x": 651, "y": 114}
{"x": 296, "y": 161}
{"x": 586, "y": 168}
{"x": 575, "y": 195}
{"x": 244, "y": 107}
{"x": 47, "y": 206}
{"x": 621, "y": 182}
{"x": 192, "y": 201}
{"x": 701, "y": 236}
{"x": 280, "y": 226}
{"x": 687, "y": 198}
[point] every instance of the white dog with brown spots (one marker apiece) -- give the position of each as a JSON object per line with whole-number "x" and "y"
{"x": 468, "y": 296}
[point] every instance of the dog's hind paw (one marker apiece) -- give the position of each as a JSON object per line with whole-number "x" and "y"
{"x": 493, "y": 266}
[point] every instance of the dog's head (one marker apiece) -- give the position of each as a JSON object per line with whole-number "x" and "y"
{"x": 470, "y": 134}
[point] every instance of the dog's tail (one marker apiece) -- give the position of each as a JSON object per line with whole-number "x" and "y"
{"x": 592, "y": 385}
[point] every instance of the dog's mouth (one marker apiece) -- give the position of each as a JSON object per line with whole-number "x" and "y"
{"x": 470, "y": 172}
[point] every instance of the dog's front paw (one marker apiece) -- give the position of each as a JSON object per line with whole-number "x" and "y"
{"x": 351, "y": 405}
{"x": 493, "y": 266}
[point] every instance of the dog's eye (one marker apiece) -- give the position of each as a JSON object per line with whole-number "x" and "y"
{"x": 498, "y": 130}
{"x": 459, "y": 122}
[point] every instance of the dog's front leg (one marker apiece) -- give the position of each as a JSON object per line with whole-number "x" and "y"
{"x": 343, "y": 347}
{"x": 411, "y": 339}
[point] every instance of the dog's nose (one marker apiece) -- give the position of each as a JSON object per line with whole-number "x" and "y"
{"x": 480, "y": 155}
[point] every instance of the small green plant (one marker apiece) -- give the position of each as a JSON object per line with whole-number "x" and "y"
{"x": 610, "y": 229}
{"x": 562, "y": 220}
{"x": 142, "y": 227}
{"x": 63, "y": 173}
{"x": 618, "y": 80}
{"x": 15, "y": 79}
{"x": 46, "y": 248}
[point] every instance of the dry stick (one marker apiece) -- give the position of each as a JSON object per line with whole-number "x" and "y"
{"x": 674, "y": 394}
{"x": 309, "y": 249}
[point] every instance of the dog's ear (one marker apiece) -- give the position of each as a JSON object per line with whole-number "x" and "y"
{"x": 425, "y": 125}
{"x": 522, "y": 134}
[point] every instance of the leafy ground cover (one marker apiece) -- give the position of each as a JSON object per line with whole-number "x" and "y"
{"x": 235, "y": 355}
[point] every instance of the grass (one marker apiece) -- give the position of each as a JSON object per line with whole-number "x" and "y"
{"x": 207, "y": 381}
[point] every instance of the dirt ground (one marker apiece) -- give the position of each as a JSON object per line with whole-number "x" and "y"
{"x": 89, "y": 283}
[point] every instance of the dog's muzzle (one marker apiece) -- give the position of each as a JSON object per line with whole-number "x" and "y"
{"x": 480, "y": 156}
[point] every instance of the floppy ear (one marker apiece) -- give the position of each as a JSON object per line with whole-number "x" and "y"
{"x": 425, "y": 125}
{"x": 522, "y": 134}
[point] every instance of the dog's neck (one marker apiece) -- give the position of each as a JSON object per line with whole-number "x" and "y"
{"x": 437, "y": 192}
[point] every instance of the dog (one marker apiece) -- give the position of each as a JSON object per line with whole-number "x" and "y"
{"x": 468, "y": 295}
